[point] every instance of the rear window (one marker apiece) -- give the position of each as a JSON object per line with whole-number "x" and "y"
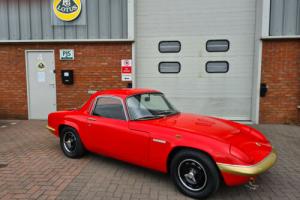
{"x": 169, "y": 67}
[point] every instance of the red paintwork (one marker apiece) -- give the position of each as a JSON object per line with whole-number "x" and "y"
{"x": 224, "y": 141}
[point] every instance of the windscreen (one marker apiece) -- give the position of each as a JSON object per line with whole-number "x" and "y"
{"x": 149, "y": 106}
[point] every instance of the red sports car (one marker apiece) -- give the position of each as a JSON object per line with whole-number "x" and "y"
{"x": 140, "y": 126}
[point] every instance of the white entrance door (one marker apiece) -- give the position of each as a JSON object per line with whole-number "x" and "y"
{"x": 41, "y": 88}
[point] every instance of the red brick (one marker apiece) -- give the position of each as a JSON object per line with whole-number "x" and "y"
{"x": 281, "y": 71}
{"x": 96, "y": 67}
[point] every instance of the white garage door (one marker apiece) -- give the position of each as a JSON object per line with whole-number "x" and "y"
{"x": 193, "y": 23}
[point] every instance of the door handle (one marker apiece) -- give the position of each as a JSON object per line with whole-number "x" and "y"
{"x": 91, "y": 119}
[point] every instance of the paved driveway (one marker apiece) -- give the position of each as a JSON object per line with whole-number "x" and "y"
{"x": 32, "y": 166}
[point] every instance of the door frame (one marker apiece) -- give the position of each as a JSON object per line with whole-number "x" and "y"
{"x": 27, "y": 77}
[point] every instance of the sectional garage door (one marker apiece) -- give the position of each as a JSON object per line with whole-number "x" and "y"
{"x": 194, "y": 78}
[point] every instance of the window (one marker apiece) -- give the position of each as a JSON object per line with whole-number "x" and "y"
{"x": 154, "y": 102}
{"x": 217, "y": 67}
{"x": 284, "y": 18}
{"x": 217, "y": 45}
{"x": 149, "y": 106}
{"x": 169, "y": 67}
{"x": 169, "y": 47}
{"x": 109, "y": 107}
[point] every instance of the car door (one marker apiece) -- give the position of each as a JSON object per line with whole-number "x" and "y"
{"x": 109, "y": 134}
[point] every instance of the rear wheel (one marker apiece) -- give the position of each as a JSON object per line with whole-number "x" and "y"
{"x": 194, "y": 174}
{"x": 70, "y": 143}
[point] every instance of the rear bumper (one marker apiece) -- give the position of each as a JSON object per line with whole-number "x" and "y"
{"x": 50, "y": 129}
{"x": 251, "y": 170}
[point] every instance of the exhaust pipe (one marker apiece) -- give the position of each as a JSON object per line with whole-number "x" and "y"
{"x": 252, "y": 185}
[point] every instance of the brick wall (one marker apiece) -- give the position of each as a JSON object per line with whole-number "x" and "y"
{"x": 96, "y": 66}
{"x": 281, "y": 71}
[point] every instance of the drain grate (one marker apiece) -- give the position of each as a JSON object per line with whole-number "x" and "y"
{"x": 3, "y": 165}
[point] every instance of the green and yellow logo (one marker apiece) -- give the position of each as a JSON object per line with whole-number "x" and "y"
{"x": 67, "y": 10}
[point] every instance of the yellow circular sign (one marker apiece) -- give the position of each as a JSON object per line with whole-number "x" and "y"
{"x": 67, "y": 10}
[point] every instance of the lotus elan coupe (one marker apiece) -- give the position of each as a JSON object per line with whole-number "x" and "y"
{"x": 140, "y": 126}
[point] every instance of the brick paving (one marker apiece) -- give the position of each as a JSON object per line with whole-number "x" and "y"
{"x": 32, "y": 166}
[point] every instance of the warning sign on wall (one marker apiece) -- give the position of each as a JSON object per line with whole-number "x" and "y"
{"x": 126, "y": 70}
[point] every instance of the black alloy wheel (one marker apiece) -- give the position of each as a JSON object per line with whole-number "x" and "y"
{"x": 70, "y": 143}
{"x": 194, "y": 173}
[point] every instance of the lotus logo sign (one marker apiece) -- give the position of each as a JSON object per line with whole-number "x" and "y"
{"x": 67, "y": 10}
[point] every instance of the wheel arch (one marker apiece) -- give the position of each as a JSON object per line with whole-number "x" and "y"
{"x": 177, "y": 149}
{"x": 64, "y": 124}
{"x": 61, "y": 127}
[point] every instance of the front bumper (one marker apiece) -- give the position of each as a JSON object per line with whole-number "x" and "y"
{"x": 251, "y": 170}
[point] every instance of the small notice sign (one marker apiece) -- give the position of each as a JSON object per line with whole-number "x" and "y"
{"x": 126, "y": 69}
{"x": 41, "y": 77}
{"x": 66, "y": 54}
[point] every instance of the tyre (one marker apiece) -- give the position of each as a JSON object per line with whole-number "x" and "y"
{"x": 70, "y": 143}
{"x": 195, "y": 174}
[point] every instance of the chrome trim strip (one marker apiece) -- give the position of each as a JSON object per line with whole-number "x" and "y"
{"x": 159, "y": 141}
{"x": 250, "y": 170}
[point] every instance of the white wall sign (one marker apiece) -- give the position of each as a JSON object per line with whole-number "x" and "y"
{"x": 41, "y": 77}
{"x": 66, "y": 54}
{"x": 126, "y": 69}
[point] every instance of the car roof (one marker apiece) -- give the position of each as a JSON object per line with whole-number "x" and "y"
{"x": 125, "y": 92}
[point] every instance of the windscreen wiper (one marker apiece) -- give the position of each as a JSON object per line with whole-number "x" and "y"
{"x": 168, "y": 112}
{"x": 149, "y": 117}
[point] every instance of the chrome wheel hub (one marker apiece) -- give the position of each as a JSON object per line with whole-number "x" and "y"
{"x": 69, "y": 141}
{"x": 192, "y": 175}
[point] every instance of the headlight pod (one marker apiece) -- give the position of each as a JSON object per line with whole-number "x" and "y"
{"x": 258, "y": 135}
{"x": 254, "y": 132}
{"x": 237, "y": 153}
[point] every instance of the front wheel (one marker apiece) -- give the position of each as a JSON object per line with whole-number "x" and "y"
{"x": 70, "y": 143}
{"x": 194, "y": 174}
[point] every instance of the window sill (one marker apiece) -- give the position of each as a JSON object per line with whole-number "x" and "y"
{"x": 281, "y": 37}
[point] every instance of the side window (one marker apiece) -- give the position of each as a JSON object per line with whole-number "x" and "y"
{"x": 217, "y": 45}
{"x": 217, "y": 67}
{"x": 169, "y": 46}
{"x": 109, "y": 107}
{"x": 169, "y": 67}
